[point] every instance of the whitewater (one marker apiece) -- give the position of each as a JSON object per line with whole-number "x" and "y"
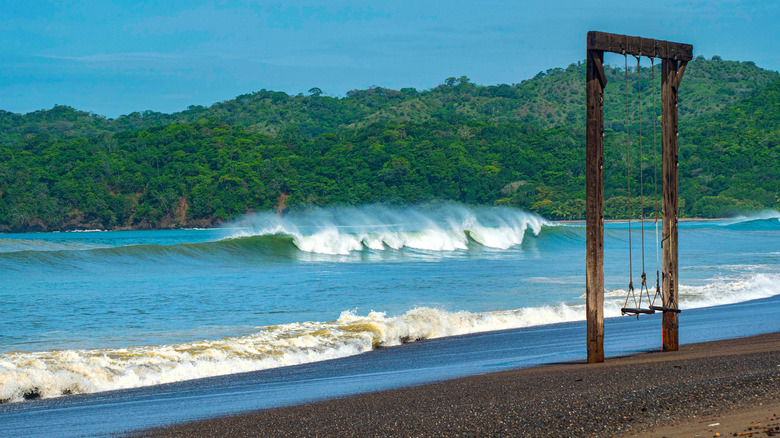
{"x": 99, "y": 311}
{"x": 447, "y": 227}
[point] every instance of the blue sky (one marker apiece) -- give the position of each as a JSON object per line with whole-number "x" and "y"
{"x": 116, "y": 57}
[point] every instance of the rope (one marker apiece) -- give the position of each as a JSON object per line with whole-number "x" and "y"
{"x": 643, "y": 288}
{"x": 641, "y": 166}
{"x": 655, "y": 187}
{"x": 628, "y": 180}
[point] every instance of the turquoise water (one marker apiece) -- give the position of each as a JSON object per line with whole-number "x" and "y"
{"x": 92, "y": 311}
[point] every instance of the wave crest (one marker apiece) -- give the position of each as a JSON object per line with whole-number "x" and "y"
{"x": 763, "y": 220}
{"x": 449, "y": 227}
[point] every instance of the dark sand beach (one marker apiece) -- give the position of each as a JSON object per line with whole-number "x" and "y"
{"x": 729, "y": 387}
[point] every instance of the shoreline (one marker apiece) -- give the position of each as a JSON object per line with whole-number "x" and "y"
{"x": 647, "y": 393}
{"x": 614, "y": 221}
{"x": 215, "y": 226}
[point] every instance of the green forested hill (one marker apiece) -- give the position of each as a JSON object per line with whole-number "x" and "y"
{"x": 552, "y": 98}
{"x": 733, "y": 161}
{"x": 519, "y": 145}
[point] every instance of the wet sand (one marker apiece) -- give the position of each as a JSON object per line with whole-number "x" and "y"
{"x": 733, "y": 382}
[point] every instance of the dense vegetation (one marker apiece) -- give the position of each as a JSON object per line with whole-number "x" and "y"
{"x": 520, "y": 145}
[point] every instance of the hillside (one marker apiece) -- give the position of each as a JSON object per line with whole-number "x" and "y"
{"x": 550, "y": 99}
{"x": 519, "y": 145}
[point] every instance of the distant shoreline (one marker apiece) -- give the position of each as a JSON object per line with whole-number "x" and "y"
{"x": 216, "y": 225}
{"x": 682, "y": 219}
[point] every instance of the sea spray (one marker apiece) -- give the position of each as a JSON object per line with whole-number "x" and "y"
{"x": 760, "y": 215}
{"x": 61, "y": 372}
{"x": 767, "y": 220}
{"x": 444, "y": 227}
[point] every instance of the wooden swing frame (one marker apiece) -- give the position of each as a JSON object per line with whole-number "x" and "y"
{"x": 674, "y": 58}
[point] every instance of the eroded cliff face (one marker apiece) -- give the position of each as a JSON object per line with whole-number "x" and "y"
{"x": 79, "y": 220}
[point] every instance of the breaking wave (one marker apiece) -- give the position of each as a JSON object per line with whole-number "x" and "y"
{"x": 332, "y": 231}
{"x": 765, "y": 220}
{"x": 308, "y": 236}
{"x": 62, "y": 372}
{"x": 447, "y": 227}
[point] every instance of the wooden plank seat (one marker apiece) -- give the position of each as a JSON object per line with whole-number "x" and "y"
{"x": 633, "y": 311}
{"x": 665, "y": 309}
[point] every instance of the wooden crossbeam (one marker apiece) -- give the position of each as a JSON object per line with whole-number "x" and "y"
{"x": 638, "y": 46}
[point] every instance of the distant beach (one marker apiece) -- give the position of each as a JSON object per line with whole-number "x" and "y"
{"x": 704, "y": 389}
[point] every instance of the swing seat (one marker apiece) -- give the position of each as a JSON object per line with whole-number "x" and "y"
{"x": 666, "y": 309}
{"x": 633, "y": 311}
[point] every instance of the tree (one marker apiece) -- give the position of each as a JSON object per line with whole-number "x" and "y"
{"x": 315, "y": 91}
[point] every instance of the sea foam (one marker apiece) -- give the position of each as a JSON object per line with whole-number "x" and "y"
{"x": 341, "y": 231}
{"x": 62, "y": 372}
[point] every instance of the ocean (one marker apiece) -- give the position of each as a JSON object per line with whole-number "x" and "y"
{"x": 107, "y": 331}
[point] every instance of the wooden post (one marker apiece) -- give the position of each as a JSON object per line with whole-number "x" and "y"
{"x": 594, "y": 211}
{"x": 669, "y": 85}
